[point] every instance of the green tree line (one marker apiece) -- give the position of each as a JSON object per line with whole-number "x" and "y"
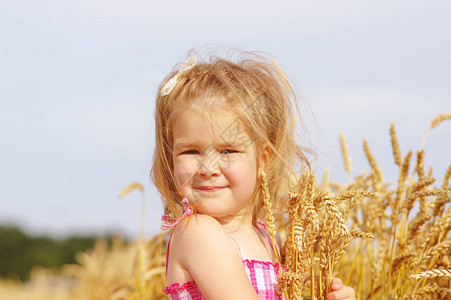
{"x": 20, "y": 252}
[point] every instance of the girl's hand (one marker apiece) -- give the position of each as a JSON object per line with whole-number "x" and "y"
{"x": 340, "y": 291}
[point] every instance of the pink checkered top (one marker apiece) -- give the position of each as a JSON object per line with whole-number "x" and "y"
{"x": 263, "y": 276}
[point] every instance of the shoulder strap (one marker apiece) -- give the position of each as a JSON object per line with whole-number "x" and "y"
{"x": 239, "y": 248}
{"x": 261, "y": 226}
{"x": 173, "y": 222}
{"x": 167, "y": 248}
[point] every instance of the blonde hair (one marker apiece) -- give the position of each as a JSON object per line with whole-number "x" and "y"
{"x": 259, "y": 94}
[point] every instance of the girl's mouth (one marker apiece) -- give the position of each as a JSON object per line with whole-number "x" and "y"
{"x": 209, "y": 188}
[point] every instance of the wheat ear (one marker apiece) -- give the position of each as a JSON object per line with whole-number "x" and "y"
{"x": 395, "y": 145}
{"x": 432, "y": 273}
{"x": 345, "y": 154}
{"x": 269, "y": 217}
{"x": 435, "y": 122}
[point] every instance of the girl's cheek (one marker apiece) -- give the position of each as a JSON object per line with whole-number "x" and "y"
{"x": 181, "y": 177}
{"x": 184, "y": 171}
{"x": 233, "y": 171}
{"x": 227, "y": 167}
{"x": 228, "y": 163}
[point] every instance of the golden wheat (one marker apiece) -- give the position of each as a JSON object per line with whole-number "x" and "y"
{"x": 130, "y": 187}
{"x": 435, "y": 122}
{"x": 345, "y": 154}
{"x": 395, "y": 145}
{"x": 432, "y": 273}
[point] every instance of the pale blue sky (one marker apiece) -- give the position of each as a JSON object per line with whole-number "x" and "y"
{"x": 78, "y": 80}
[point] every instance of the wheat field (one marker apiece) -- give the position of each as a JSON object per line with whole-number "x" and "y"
{"x": 386, "y": 240}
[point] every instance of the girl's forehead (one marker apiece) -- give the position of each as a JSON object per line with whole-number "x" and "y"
{"x": 221, "y": 126}
{"x": 210, "y": 119}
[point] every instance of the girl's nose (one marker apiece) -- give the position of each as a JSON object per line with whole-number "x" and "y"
{"x": 208, "y": 167}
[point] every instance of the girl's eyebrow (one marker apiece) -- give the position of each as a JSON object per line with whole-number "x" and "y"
{"x": 226, "y": 144}
{"x": 181, "y": 145}
{"x": 221, "y": 145}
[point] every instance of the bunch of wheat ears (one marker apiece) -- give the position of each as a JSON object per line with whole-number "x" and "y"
{"x": 404, "y": 247}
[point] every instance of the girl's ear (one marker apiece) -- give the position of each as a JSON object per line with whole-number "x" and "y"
{"x": 264, "y": 158}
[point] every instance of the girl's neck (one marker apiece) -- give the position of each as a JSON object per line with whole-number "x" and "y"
{"x": 236, "y": 223}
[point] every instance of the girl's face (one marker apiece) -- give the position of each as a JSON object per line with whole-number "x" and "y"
{"x": 215, "y": 164}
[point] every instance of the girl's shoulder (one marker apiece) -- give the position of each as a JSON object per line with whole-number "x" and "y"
{"x": 198, "y": 234}
{"x": 193, "y": 227}
{"x": 200, "y": 239}
{"x": 202, "y": 248}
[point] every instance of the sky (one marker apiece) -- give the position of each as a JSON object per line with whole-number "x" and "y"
{"x": 78, "y": 82}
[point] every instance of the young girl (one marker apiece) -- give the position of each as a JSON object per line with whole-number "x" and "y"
{"x": 225, "y": 146}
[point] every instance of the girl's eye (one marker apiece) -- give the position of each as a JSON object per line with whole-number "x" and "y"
{"x": 228, "y": 151}
{"x": 190, "y": 152}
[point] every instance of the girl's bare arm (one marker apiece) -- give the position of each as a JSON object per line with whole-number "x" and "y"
{"x": 212, "y": 259}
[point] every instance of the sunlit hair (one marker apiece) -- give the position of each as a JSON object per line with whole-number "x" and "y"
{"x": 259, "y": 94}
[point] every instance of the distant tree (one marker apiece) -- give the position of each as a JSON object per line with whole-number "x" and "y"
{"x": 14, "y": 252}
{"x": 19, "y": 253}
